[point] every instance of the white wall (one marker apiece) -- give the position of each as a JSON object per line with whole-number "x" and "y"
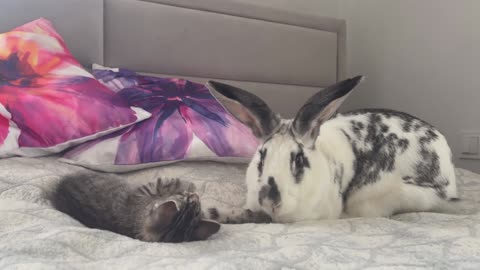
{"x": 422, "y": 57}
{"x": 317, "y": 7}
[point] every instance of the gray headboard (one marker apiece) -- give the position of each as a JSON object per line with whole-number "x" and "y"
{"x": 282, "y": 56}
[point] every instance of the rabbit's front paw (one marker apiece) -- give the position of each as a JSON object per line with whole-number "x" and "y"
{"x": 258, "y": 216}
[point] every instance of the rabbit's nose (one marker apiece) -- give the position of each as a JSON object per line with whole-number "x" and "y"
{"x": 269, "y": 191}
{"x": 263, "y": 193}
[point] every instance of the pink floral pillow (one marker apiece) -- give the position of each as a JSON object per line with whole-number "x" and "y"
{"x": 187, "y": 123}
{"x": 48, "y": 102}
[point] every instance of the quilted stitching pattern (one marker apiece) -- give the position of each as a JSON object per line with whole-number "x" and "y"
{"x": 35, "y": 236}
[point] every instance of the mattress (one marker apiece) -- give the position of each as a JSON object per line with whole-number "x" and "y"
{"x": 33, "y": 235}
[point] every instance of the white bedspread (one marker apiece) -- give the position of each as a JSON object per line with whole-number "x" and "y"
{"x": 35, "y": 236}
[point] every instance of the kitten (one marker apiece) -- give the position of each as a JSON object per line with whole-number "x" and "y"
{"x": 165, "y": 211}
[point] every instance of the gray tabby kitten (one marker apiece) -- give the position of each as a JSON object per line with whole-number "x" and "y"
{"x": 165, "y": 211}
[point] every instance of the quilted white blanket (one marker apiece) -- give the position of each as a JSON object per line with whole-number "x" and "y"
{"x": 35, "y": 236}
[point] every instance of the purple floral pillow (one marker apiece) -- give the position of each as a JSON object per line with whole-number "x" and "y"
{"x": 187, "y": 123}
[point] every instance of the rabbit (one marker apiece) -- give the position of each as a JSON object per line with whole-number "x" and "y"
{"x": 327, "y": 165}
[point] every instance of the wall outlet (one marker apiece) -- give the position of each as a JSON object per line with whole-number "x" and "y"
{"x": 470, "y": 145}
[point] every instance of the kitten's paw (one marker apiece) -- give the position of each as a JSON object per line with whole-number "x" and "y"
{"x": 167, "y": 183}
{"x": 167, "y": 186}
{"x": 147, "y": 190}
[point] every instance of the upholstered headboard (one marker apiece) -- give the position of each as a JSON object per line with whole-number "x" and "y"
{"x": 282, "y": 56}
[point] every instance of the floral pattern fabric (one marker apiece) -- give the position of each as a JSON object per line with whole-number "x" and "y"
{"x": 47, "y": 100}
{"x": 187, "y": 122}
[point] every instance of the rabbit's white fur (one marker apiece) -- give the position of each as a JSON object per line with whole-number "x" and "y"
{"x": 317, "y": 196}
{"x": 365, "y": 163}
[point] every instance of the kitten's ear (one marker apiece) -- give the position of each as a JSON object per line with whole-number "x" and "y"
{"x": 170, "y": 206}
{"x": 162, "y": 214}
{"x": 167, "y": 211}
{"x": 205, "y": 229}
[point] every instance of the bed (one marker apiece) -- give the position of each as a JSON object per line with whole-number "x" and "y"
{"x": 281, "y": 56}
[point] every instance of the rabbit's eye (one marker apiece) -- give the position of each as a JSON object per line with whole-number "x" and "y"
{"x": 298, "y": 163}
{"x": 299, "y": 160}
{"x": 263, "y": 154}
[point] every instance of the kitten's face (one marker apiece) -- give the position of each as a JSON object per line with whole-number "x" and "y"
{"x": 177, "y": 218}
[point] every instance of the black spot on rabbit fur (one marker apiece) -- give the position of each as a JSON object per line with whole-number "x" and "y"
{"x": 428, "y": 169}
{"x": 405, "y": 117}
{"x": 383, "y": 148}
{"x": 403, "y": 144}
{"x": 407, "y": 125}
{"x": 298, "y": 163}
{"x": 357, "y": 128}
{"x": 338, "y": 176}
{"x": 339, "y": 170}
{"x": 347, "y": 136}
{"x": 384, "y": 128}
{"x": 263, "y": 154}
{"x": 379, "y": 157}
{"x": 377, "y": 151}
{"x": 269, "y": 191}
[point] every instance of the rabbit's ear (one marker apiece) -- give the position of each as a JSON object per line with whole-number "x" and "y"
{"x": 321, "y": 107}
{"x": 246, "y": 107}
